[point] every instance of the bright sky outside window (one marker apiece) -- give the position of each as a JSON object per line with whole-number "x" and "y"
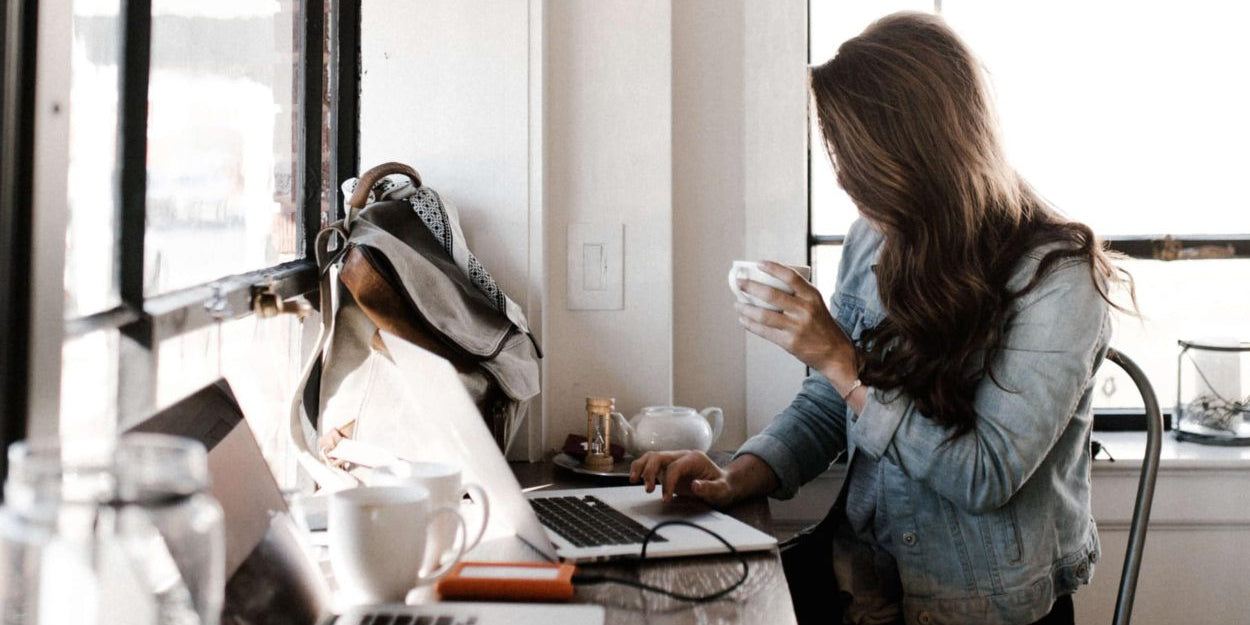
{"x": 1128, "y": 116}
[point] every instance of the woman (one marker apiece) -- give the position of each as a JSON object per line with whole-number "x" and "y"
{"x": 956, "y": 366}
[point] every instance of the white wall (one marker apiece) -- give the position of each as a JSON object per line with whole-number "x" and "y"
{"x": 446, "y": 87}
{"x": 775, "y": 195}
{"x": 608, "y": 121}
{"x": 708, "y": 220}
{"x": 684, "y": 122}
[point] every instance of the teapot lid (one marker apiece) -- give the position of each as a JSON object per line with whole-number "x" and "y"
{"x": 668, "y": 409}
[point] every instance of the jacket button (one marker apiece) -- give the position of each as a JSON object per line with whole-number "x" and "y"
{"x": 924, "y": 618}
{"x": 909, "y": 539}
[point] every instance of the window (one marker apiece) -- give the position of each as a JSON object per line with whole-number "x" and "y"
{"x": 1127, "y": 117}
{"x": 204, "y": 142}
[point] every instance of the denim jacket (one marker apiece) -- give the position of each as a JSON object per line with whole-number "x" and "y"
{"x": 993, "y": 526}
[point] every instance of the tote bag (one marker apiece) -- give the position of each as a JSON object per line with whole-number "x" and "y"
{"x": 401, "y": 265}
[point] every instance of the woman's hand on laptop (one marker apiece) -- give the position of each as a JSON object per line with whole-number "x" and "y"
{"x": 693, "y": 473}
{"x": 683, "y": 473}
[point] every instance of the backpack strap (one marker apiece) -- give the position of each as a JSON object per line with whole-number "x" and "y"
{"x": 303, "y": 435}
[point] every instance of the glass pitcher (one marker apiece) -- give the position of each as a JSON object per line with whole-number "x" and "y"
{"x": 105, "y": 532}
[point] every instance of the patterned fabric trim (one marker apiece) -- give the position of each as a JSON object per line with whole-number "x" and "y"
{"x": 429, "y": 206}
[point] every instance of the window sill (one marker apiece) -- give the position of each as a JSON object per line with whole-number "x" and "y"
{"x": 1128, "y": 449}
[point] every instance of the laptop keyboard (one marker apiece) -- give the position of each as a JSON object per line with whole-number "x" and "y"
{"x": 588, "y": 522}
{"x": 409, "y": 619}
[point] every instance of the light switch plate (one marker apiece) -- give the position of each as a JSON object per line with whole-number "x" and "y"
{"x": 596, "y": 264}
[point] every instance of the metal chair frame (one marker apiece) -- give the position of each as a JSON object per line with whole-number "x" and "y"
{"x": 1145, "y": 488}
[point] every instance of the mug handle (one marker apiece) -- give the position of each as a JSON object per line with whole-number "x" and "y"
{"x": 424, "y": 578}
{"x": 478, "y": 494}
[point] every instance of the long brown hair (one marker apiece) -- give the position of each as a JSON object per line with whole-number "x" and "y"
{"x": 908, "y": 122}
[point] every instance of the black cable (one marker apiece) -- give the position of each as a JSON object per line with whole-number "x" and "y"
{"x": 1096, "y": 447}
{"x": 587, "y": 580}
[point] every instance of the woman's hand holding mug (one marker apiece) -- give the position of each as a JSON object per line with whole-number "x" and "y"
{"x": 794, "y": 316}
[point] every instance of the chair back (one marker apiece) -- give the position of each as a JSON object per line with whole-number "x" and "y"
{"x": 1145, "y": 488}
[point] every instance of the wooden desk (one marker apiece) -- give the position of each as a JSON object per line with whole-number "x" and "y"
{"x": 763, "y": 598}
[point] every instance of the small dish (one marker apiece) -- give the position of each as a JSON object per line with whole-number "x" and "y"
{"x": 619, "y": 470}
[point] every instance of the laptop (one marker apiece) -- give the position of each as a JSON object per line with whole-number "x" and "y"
{"x": 271, "y": 575}
{"x": 442, "y": 422}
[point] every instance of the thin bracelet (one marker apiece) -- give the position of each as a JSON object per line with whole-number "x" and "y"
{"x": 847, "y": 396}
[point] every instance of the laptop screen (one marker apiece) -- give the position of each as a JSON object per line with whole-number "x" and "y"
{"x": 240, "y": 478}
{"x": 270, "y": 577}
{"x": 437, "y": 421}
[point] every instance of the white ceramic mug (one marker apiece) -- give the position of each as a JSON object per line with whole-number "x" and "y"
{"x": 448, "y": 490}
{"x": 750, "y": 270}
{"x": 379, "y": 540}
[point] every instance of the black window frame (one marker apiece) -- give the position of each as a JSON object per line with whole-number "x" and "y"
{"x": 1164, "y": 247}
{"x": 18, "y": 27}
{"x": 144, "y": 322}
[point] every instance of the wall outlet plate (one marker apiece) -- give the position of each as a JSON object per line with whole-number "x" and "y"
{"x": 596, "y": 266}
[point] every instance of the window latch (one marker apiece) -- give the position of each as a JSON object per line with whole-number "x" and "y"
{"x": 267, "y": 303}
{"x": 1174, "y": 249}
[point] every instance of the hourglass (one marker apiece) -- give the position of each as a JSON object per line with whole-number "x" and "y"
{"x": 599, "y": 433}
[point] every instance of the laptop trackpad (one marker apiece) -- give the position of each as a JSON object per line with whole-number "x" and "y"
{"x": 656, "y": 511}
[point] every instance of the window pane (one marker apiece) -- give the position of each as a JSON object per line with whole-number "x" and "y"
{"x": 89, "y": 385}
{"x": 825, "y": 259}
{"x": 1134, "y": 124}
{"x": 222, "y": 134}
{"x": 91, "y": 228}
{"x": 262, "y": 359}
{"x": 1130, "y": 117}
{"x": 1179, "y": 300}
{"x": 186, "y": 363}
{"x": 1168, "y": 293}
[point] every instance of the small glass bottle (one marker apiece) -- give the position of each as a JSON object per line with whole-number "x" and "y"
{"x": 599, "y": 433}
{"x": 111, "y": 531}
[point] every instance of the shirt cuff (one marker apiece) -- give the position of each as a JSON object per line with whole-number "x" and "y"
{"x": 780, "y": 458}
{"x": 877, "y": 423}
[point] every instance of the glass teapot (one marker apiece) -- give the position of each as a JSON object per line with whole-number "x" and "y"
{"x": 663, "y": 428}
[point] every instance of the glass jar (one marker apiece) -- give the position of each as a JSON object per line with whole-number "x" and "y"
{"x": 1213, "y": 392}
{"x": 115, "y": 531}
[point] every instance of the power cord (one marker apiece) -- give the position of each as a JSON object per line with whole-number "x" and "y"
{"x": 583, "y": 579}
{"x": 1096, "y": 447}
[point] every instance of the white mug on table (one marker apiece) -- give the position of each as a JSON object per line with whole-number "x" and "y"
{"x": 750, "y": 270}
{"x": 448, "y": 490}
{"x": 379, "y": 541}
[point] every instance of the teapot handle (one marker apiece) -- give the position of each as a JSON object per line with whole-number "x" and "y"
{"x": 717, "y": 417}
